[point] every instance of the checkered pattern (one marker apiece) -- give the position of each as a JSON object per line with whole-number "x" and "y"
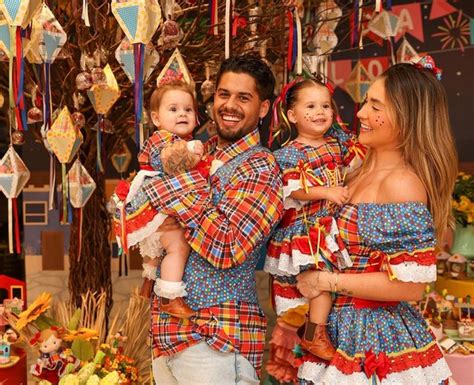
{"x": 224, "y": 231}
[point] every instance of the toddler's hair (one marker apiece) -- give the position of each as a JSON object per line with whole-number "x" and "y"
{"x": 158, "y": 93}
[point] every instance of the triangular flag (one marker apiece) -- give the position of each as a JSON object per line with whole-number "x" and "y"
{"x": 441, "y": 8}
{"x": 129, "y": 16}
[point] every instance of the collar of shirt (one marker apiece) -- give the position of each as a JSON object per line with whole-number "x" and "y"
{"x": 232, "y": 150}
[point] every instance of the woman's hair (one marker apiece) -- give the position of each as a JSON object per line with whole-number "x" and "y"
{"x": 159, "y": 92}
{"x": 419, "y": 109}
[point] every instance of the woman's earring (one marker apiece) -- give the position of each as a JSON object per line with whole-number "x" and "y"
{"x": 260, "y": 122}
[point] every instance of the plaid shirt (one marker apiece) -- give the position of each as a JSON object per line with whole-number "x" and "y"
{"x": 223, "y": 234}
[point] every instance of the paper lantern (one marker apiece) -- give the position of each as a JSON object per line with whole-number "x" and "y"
{"x": 358, "y": 83}
{"x": 406, "y": 53}
{"x": 175, "y": 69}
{"x": 19, "y": 12}
{"x": 125, "y": 56}
{"x": 81, "y": 185}
{"x": 139, "y": 19}
{"x": 13, "y": 177}
{"x": 121, "y": 159}
{"x": 104, "y": 96}
{"x": 64, "y": 138}
{"x": 47, "y": 37}
{"x": 384, "y": 25}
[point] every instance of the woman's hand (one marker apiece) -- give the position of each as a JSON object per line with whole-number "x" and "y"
{"x": 308, "y": 284}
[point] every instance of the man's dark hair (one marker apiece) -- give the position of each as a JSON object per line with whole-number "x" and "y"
{"x": 254, "y": 67}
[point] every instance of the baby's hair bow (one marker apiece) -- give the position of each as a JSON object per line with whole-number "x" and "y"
{"x": 427, "y": 62}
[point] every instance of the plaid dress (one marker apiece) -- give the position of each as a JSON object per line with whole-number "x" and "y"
{"x": 382, "y": 342}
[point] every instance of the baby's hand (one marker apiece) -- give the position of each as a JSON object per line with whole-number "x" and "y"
{"x": 338, "y": 194}
{"x": 196, "y": 147}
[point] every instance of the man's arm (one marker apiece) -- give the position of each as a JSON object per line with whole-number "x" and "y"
{"x": 223, "y": 234}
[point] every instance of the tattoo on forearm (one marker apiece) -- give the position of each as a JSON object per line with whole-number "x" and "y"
{"x": 346, "y": 292}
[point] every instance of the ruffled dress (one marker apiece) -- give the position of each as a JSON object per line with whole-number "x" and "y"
{"x": 307, "y": 236}
{"x": 386, "y": 343}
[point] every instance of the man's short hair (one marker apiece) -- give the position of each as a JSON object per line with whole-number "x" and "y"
{"x": 254, "y": 67}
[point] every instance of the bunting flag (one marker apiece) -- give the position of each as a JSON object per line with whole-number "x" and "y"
{"x": 358, "y": 83}
{"x": 440, "y": 8}
{"x": 410, "y": 21}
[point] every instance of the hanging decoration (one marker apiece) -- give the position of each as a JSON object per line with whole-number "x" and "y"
{"x": 65, "y": 139}
{"x": 175, "y": 69}
{"x": 121, "y": 159}
{"x": 13, "y": 177}
{"x": 139, "y": 19}
{"x": 358, "y": 83}
{"x": 103, "y": 97}
{"x": 406, "y": 53}
{"x": 125, "y": 56}
{"x": 208, "y": 87}
{"x": 385, "y": 25}
{"x": 81, "y": 187}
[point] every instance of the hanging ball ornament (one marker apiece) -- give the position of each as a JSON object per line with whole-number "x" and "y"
{"x": 34, "y": 115}
{"x": 207, "y": 89}
{"x": 171, "y": 34}
{"x": 83, "y": 81}
{"x": 98, "y": 76}
{"x": 18, "y": 138}
{"x": 79, "y": 119}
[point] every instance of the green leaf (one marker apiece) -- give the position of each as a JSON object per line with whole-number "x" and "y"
{"x": 82, "y": 349}
{"x": 74, "y": 321}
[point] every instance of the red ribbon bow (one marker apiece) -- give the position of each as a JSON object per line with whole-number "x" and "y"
{"x": 307, "y": 175}
{"x": 35, "y": 339}
{"x": 379, "y": 364}
{"x": 122, "y": 189}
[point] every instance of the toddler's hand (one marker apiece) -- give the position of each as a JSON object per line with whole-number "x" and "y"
{"x": 338, "y": 194}
{"x": 196, "y": 147}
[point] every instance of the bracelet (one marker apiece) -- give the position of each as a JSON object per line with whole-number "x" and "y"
{"x": 335, "y": 283}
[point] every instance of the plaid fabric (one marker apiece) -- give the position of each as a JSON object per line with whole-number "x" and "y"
{"x": 152, "y": 148}
{"x": 224, "y": 234}
{"x": 233, "y": 326}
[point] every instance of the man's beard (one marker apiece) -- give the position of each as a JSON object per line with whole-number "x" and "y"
{"x": 232, "y": 136}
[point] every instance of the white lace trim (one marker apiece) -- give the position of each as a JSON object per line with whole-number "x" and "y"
{"x": 282, "y": 304}
{"x": 319, "y": 374}
{"x": 149, "y": 271}
{"x": 145, "y": 231}
{"x": 290, "y": 203}
{"x": 138, "y": 181}
{"x": 169, "y": 289}
{"x": 289, "y": 265}
{"x": 413, "y": 272}
{"x": 271, "y": 267}
{"x": 151, "y": 246}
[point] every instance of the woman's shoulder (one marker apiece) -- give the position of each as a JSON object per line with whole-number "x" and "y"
{"x": 402, "y": 185}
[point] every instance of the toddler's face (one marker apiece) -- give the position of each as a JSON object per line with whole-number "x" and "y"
{"x": 176, "y": 113}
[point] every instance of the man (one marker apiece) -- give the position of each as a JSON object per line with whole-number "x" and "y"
{"x": 226, "y": 220}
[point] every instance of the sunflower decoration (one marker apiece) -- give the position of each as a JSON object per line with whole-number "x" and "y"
{"x": 35, "y": 311}
{"x": 82, "y": 333}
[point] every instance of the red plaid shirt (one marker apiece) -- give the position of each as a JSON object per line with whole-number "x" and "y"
{"x": 222, "y": 234}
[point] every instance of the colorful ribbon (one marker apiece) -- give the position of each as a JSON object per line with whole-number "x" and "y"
{"x": 307, "y": 175}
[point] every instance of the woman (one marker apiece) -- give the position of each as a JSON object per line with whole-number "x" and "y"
{"x": 400, "y": 199}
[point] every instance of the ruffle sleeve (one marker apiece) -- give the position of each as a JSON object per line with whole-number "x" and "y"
{"x": 353, "y": 153}
{"x": 293, "y": 162}
{"x": 404, "y": 234}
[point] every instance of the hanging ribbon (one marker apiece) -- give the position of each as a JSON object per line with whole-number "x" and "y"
{"x": 79, "y": 235}
{"x": 10, "y": 226}
{"x": 100, "y": 123}
{"x": 139, "y": 58}
{"x": 239, "y": 22}
{"x": 213, "y": 17}
{"x": 378, "y": 6}
{"x": 228, "y": 14}
{"x": 299, "y": 44}
{"x": 64, "y": 215}
{"x": 355, "y": 24}
{"x": 277, "y": 113}
{"x": 291, "y": 37}
{"x": 359, "y": 27}
{"x": 307, "y": 175}
{"x": 85, "y": 13}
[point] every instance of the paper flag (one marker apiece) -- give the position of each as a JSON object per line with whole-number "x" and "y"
{"x": 440, "y": 8}
{"x": 104, "y": 96}
{"x": 81, "y": 185}
{"x": 406, "y": 53}
{"x": 19, "y": 12}
{"x": 125, "y": 57}
{"x": 47, "y": 37}
{"x": 410, "y": 20}
{"x": 175, "y": 69}
{"x": 384, "y": 25}
{"x": 358, "y": 83}
{"x": 13, "y": 174}
{"x": 325, "y": 40}
{"x": 139, "y": 19}
{"x": 5, "y": 42}
{"x": 121, "y": 159}
{"x": 64, "y": 137}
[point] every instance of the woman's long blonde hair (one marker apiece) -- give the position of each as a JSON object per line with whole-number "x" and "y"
{"x": 418, "y": 105}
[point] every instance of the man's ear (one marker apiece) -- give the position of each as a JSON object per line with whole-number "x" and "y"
{"x": 264, "y": 108}
{"x": 291, "y": 116}
{"x": 154, "y": 118}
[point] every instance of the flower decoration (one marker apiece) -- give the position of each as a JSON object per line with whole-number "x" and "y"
{"x": 463, "y": 199}
{"x": 84, "y": 333}
{"x": 39, "y": 306}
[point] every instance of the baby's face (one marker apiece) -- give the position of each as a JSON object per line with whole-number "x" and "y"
{"x": 176, "y": 113}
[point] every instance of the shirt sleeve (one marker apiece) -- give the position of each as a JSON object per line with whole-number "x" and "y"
{"x": 226, "y": 232}
{"x": 149, "y": 155}
{"x": 404, "y": 233}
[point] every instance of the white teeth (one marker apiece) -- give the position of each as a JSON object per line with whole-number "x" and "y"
{"x": 231, "y": 118}
{"x": 365, "y": 127}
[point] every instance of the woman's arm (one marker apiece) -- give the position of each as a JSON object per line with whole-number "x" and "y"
{"x": 372, "y": 286}
{"x": 336, "y": 194}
